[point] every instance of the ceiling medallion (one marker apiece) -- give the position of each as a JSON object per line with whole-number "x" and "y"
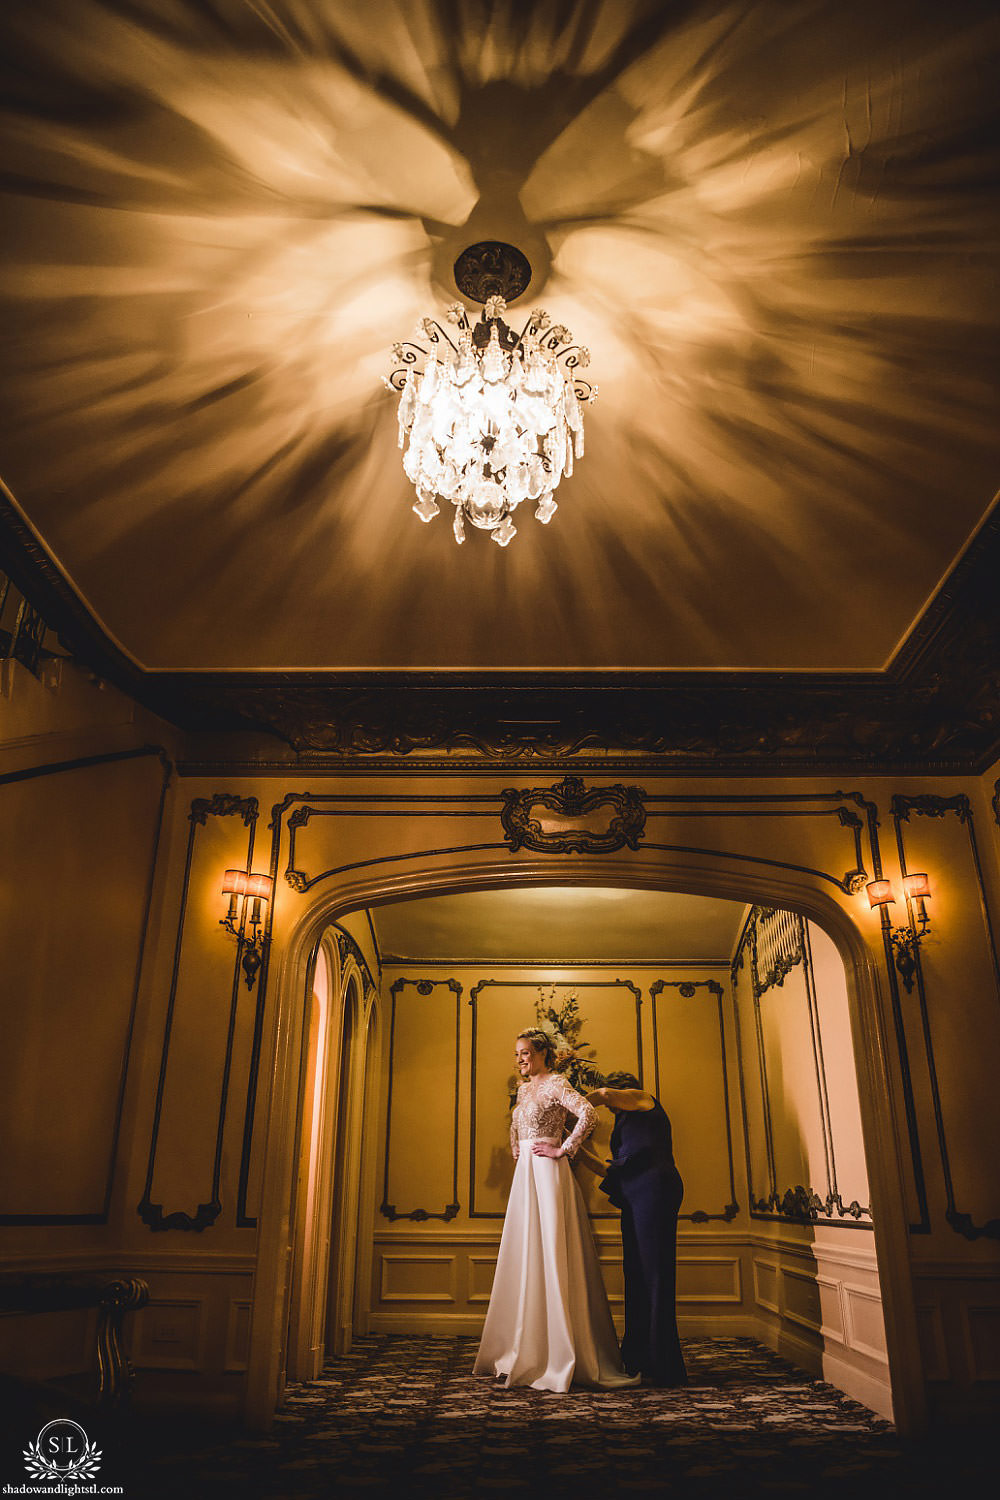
{"x": 490, "y": 417}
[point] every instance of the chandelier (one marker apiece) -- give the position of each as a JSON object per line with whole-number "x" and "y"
{"x": 488, "y": 417}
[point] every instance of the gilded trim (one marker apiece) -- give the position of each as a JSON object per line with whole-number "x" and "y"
{"x": 569, "y": 799}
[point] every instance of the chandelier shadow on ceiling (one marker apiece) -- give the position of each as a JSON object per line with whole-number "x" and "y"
{"x": 489, "y": 418}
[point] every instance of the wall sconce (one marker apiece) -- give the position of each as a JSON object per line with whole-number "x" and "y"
{"x": 905, "y": 940}
{"x": 246, "y": 915}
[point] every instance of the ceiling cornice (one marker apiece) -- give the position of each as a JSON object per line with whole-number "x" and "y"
{"x": 935, "y": 710}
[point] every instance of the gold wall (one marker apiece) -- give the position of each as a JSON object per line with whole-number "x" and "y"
{"x": 207, "y": 1111}
{"x": 759, "y": 1072}
{"x": 446, "y": 1154}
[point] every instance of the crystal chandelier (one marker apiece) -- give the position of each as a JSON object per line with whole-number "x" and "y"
{"x": 489, "y": 417}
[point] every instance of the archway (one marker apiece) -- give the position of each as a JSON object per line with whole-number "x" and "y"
{"x": 335, "y": 1069}
{"x": 346, "y": 1165}
{"x": 310, "y": 1245}
{"x": 771, "y": 886}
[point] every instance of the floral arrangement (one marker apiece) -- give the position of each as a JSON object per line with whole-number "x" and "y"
{"x": 564, "y": 1025}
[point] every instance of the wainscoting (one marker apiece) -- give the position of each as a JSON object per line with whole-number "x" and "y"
{"x": 820, "y": 1306}
{"x": 817, "y": 1305}
{"x": 440, "y": 1283}
{"x": 189, "y": 1345}
{"x": 958, "y": 1317}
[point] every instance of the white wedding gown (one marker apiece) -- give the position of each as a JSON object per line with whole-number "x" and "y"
{"x": 548, "y": 1323}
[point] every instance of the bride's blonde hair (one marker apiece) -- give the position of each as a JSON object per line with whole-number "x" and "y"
{"x": 539, "y": 1041}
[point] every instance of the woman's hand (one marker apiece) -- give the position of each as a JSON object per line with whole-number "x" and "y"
{"x": 586, "y": 1158}
{"x": 597, "y": 1097}
{"x": 545, "y": 1148}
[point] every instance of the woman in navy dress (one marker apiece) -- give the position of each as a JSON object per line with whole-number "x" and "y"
{"x": 642, "y": 1181}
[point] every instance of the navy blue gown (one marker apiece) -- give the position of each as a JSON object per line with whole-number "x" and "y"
{"x": 642, "y": 1181}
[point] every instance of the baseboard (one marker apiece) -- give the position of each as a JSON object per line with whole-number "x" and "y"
{"x": 445, "y": 1325}
{"x": 725, "y": 1326}
{"x": 434, "y": 1325}
{"x": 860, "y": 1384}
{"x": 855, "y": 1382}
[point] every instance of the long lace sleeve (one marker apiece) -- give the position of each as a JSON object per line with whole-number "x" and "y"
{"x": 514, "y": 1147}
{"x": 586, "y": 1116}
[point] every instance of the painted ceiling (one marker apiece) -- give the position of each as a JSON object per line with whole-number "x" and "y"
{"x": 774, "y": 225}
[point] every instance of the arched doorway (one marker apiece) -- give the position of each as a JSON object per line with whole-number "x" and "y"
{"x": 337, "y": 1044}
{"x": 774, "y": 888}
{"x": 310, "y": 1214}
{"x": 347, "y": 1166}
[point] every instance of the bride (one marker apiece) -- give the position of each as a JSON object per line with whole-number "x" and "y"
{"x": 548, "y": 1323}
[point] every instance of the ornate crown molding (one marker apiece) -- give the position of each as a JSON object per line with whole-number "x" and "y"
{"x": 935, "y": 710}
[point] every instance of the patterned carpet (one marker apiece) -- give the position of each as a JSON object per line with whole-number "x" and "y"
{"x": 404, "y": 1416}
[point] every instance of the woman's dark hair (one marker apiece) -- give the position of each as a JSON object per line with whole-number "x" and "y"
{"x": 621, "y": 1081}
{"x": 539, "y": 1041}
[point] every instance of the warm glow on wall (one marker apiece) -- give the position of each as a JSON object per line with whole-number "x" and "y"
{"x": 246, "y": 922}
{"x": 905, "y": 940}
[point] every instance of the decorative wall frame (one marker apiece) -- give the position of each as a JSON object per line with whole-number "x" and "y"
{"x": 387, "y": 1209}
{"x": 784, "y": 947}
{"x": 572, "y": 802}
{"x": 688, "y": 988}
{"x": 533, "y": 984}
{"x": 902, "y": 809}
{"x": 154, "y": 1215}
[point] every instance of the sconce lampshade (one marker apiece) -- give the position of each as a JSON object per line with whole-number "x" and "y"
{"x": 880, "y": 893}
{"x": 260, "y": 886}
{"x": 234, "y": 883}
{"x": 917, "y": 887}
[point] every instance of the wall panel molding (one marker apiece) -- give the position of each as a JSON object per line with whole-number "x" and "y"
{"x": 603, "y": 1236}
{"x": 827, "y": 1304}
{"x": 688, "y": 988}
{"x": 731, "y": 1263}
{"x": 775, "y": 943}
{"x": 169, "y": 1334}
{"x": 534, "y": 984}
{"x": 237, "y": 1348}
{"x": 476, "y": 1265}
{"x": 766, "y": 1280}
{"x": 388, "y": 1209}
{"x": 961, "y": 1220}
{"x": 933, "y": 1341}
{"x": 981, "y": 1336}
{"x": 392, "y": 1285}
{"x": 955, "y": 1270}
{"x": 154, "y": 1215}
{"x": 853, "y": 1296}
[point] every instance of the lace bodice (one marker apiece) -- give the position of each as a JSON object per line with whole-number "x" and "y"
{"x": 541, "y": 1110}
